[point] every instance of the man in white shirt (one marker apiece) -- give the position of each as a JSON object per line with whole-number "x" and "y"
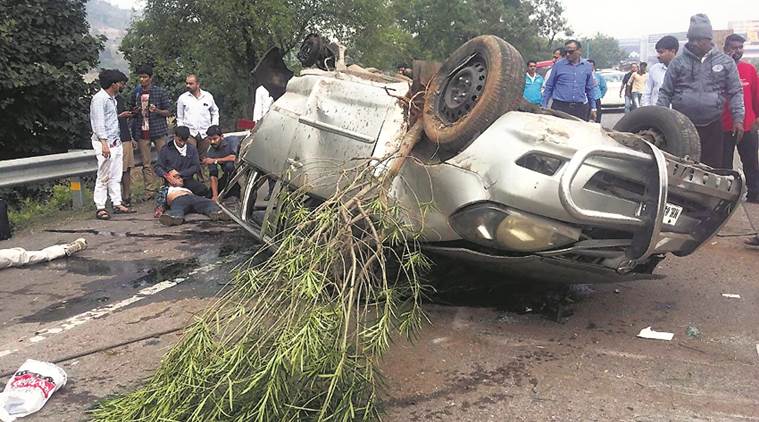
{"x": 263, "y": 102}
{"x": 107, "y": 144}
{"x": 666, "y": 50}
{"x": 197, "y": 110}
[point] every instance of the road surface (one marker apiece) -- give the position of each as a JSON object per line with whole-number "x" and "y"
{"x": 490, "y": 353}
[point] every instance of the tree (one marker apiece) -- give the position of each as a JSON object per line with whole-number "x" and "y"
{"x": 548, "y": 15}
{"x": 603, "y": 49}
{"x": 432, "y": 29}
{"x": 222, "y": 40}
{"x": 45, "y": 49}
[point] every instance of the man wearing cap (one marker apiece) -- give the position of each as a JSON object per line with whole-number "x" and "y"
{"x": 698, "y": 83}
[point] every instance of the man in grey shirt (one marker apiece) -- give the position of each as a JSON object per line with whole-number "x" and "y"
{"x": 697, "y": 84}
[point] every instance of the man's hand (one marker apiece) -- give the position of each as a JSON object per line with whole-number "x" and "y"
{"x": 173, "y": 180}
{"x": 593, "y": 115}
{"x": 207, "y": 161}
{"x": 106, "y": 150}
{"x": 124, "y": 114}
{"x": 152, "y": 108}
{"x": 738, "y": 131}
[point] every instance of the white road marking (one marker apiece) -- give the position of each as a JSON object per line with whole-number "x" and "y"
{"x": 731, "y": 295}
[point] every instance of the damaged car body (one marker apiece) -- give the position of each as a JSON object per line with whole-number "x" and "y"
{"x": 532, "y": 193}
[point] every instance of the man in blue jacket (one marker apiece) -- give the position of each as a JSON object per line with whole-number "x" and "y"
{"x": 698, "y": 83}
{"x": 599, "y": 89}
{"x": 533, "y": 84}
{"x": 178, "y": 162}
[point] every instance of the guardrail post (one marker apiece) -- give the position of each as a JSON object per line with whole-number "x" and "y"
{"x": 76, "y": 192}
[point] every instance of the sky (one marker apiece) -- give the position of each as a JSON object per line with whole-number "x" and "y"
{"x": 631, "y": 18}
{"x": 638, "y": 18}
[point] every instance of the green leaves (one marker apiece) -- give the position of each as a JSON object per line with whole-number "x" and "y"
{"x": 45, "y": 50}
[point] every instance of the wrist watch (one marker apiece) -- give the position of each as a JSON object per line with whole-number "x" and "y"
{"x": 215, "y": 162}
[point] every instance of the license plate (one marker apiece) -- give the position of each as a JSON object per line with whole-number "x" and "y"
{"x": 671, "y": 214}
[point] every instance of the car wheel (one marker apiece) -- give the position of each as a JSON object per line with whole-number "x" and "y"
{"x": 668, "y": 129}
{"x": 478, "y": 83}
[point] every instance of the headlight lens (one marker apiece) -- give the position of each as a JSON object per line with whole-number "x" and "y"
{"x": 499, "y": 227}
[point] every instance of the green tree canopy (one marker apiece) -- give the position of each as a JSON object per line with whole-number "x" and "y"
{"x": 45, "y": 49}
{"x": 603, "y": 49}
{"x": 222, "y": 40}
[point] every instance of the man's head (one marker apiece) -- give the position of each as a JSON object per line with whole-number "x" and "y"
{"x": 532, "y": 66}
{"x": 666, "y": 49}
{"x": 122, "y": 80}
{"x": 215, "y": 136}
{"x": 181, "y": 134}
{"x": 109, "y": 80}
{"x": 192, "y": 83}
{"x": 573, "y": 50}
{"x": 592, "y": 63}
{"x": 558, "y": 53}
{"x": 643, "y": 66}
{"x": 634, "y": 67}
{"x": 700, "y": 34}
{"x": 145, "y": 74}
{"x": 734, "y": 46}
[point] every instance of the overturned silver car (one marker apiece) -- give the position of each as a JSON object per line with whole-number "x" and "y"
{"x": 532, "y": 193}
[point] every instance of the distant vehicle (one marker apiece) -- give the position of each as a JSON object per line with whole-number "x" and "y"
{"x": 612, "y": 100}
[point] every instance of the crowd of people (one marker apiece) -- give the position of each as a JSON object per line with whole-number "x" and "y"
{"x": 196, "y": 150}
{"x": 712, "y": 86}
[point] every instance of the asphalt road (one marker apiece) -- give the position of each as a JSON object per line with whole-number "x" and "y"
{"x": 491, "y": 351}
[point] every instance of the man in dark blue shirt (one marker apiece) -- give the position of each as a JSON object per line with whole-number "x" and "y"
{"x": 178, "y": 162}
{"x": 571, "y": 84}
{"x": 221, "y": 153}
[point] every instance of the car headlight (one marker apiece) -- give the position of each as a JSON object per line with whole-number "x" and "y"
{"x": 496, "y": 226}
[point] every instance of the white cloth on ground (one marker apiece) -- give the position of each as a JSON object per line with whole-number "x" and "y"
{"x": 17, "y": 257}
{"x": 108, "y": 180}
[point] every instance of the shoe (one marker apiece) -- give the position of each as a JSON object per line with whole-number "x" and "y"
{"x": 75, "y": 246}
{"x": 127, "y": 202}
{"x": 754, "y": 241}
{"x": 219, "y": 216}
{"x": 168, "y": 220}
{"x": 102, "y": 214}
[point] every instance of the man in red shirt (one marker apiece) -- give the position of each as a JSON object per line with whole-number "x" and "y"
{"x": 749, "y": 143}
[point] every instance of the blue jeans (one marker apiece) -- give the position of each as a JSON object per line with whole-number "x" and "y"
{"x": 188, "y": 204}
{"x": 628, "y": 104}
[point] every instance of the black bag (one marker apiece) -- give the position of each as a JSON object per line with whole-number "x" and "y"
{"x": 5, "y": 225}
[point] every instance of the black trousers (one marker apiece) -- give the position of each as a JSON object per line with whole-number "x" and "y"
{"x": 598, "y": 111}
{"x": 579, "y": 110}
{"x": 196, "y": 187}
{"x": 748, "y": 150}
{"x": 712, "y": 148}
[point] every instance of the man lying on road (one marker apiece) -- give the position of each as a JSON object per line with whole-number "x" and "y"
{"x": 179, "y": 201}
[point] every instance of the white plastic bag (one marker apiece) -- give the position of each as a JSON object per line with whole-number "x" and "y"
{"x": 29, "y": 389}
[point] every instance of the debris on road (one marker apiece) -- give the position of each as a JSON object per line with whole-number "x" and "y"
{"x": 648, "y": 333}
{"x": 692, "y": 331}
{"x": 29, "y": 389}
{"x": 731, "y": 295}
{"x": 19, "y": 257}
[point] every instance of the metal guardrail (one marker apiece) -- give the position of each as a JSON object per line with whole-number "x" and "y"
{"x": 72, "y": 164}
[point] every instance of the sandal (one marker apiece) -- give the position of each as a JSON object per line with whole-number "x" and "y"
{"x": 102, "y": 214}
{"x": 123, "y": 210}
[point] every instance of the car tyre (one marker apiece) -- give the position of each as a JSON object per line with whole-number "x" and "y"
{"x": 668, "y": 129}
{"x": 477, "y": 84}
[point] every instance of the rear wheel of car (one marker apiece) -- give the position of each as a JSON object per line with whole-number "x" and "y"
{"x": 478, "y": 83}
{"x": 668, "y": 129}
